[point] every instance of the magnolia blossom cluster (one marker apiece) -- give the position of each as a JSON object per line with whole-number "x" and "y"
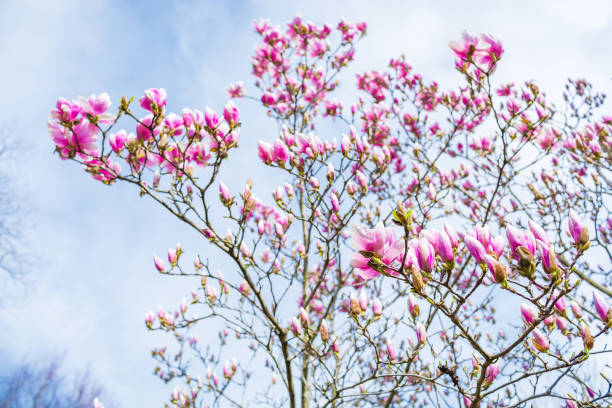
{"x": 416, "y": 311}
{"x": 274, "y": 64}
{"x": 380, "y": 251}
{"x": 483, "y": 50}
{"x": 167, "y": 143}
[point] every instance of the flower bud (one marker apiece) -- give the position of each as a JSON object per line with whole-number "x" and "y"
{"x": 324, "y": 331}
{"x": 421, "y": 333}
{"x": 376, "y": 307}
{"x": 391, "y": 350}
{"x": 561, "y": 324}
{"x": 602, "y": 308}
{"x": 578, "y": 231}
{"x": 475, "y": 248}
{"x": 211, "y": 293}
{"x": 417, "y": 279}
{"x": 354, "y": 303}
{"x": 172, "y": 257}
{"x": 528, "y": 313}
{"x": 576, "y": 309}
{"x": 330, "y": 173}
{"x": 525, "y": 257}
{"x": 540, "y": 341}
{"x": 224, "y": 194}
{"x": 491, "y": 372}
{"x": 244, "y": 288}
{"x": 363, "y": 300}
{"x": 413, "y": 307}
{"x": 159, "y": 264}
{"x": 296, "y": 328}
{"x": 497, "y": 269}
{"x": 335, "y": 347}
{"x": 587, "y": 337}
{"x": 304, "y": 317}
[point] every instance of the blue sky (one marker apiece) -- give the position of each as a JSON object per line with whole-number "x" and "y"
{"x": 92, "y": 278}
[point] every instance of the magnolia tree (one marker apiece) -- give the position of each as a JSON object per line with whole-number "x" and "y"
{"x": 424, "y": 247}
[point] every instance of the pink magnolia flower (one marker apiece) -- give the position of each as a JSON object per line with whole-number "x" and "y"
{"x": 264, "y": 151}
{"x": 538, "y": 232}
{"x": 497, "y": 269}
{"x": 484, "y": 50}
{"x": 363, "y": 300}
{"x": 296, "y": 327}
{"x": 391, "y": 350}
{"x": 227, "y": 370}
{"x": 475, "y": 248}
{"x": 452, "y": 235}
{"x": 174, "y": 123}
{"x": 314, "y": 182}
{"x": 211, "y": 118}
{"x": 444, "y": 246}
{"x": 517, "y": 238}
{"x": 587, "y": 338}
{"x": 81, "y": 140}
{"x": 198, "y": 153}
{"x": 425, "y": 255}
{"x": 159, "y": 264}
{"x": 149, "y": 319}
{"x": 491, "y": 372}
{"x": 577, "y": 229}
{"x": 483, "y": 234}
{"x": 376, "y": 307}
{"x": 379, "y": 243}
{"x": 224, "y": 193}
{"x": 304, "y": 318}
{"x": 231, "y": 113}
{"x": 153, "y": 97}
{"x": 549, "y": 321}
{"x": 498, "y": 244}
{"x": 602, "y": 307}
{"x": 65, "y": 111}
{"x": 354, "y": 305}
{"x": 118, "y": 140}
{"x": 540, "y": 341}
{"x": 244, "y": 288}
{"x": 590, "y": 392}
{"x": 172, "y": 257}
{"x": 142, "y": 129}
{"x": 529, "y": 314}
{"x": 561, "y": 324}
{"x": 413, "y": 307}
{"x": 335, "y": 347}
{"x": 523, "y": 246}
{"x": 324, "y": 331}
{"x": 236, "y": 90}
{"x": 212, "y": 293}
{"x": 362, "y": 180}
{"x": 576, "y": 309}
{"x": 465, "y": 48}
{"x": 547, "y": 255}
{"x": 279, "y": 152}
{"x": 560, "y": 305}
{"x": 421, "y": 333}
{"x": 489, "y": 52}
{"x": 96, "y": 106}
